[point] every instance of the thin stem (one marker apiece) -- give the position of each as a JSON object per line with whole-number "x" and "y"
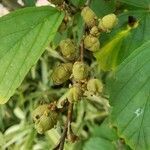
{"x": 60, "y": 146}
{"x": 82, "y": 51}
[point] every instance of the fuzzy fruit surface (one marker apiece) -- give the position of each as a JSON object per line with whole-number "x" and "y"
{"x": 108, "y": 22}
{"x": 80, "y": 71}
{"x": 61, "y": 73}
{"x": 74, "y": 94}
{"x": 95, "y": 86}
{"x": 88, "y": 16}
{"x": 95, "y": 31}
{"x": 91, "y": 43}
{"x": 44, "y": 118}
{"x": 68, "y": 49}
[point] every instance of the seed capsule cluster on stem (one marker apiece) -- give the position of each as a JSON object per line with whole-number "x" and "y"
{"x": 44, "y": 118}
{"x": 96, "y": 26}
{"x": 75, "y": 68}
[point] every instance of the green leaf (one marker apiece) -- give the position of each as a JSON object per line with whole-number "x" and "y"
{"x": 78, "y": 30}
{"x": 104, "y": 131}
{"x": 24, "y": 34}
{"x": 139, "y": 35}
{"x": 137, "y": 3}
{"x": 107, "y": 57}
{"x": 97, "y": 143}
{"x": 29, "y": 2}
{"x": 78, "y": 3}
{"x": 102, "y": 7}
{"x": 102, "y": 137}
{"x": 130, "y": 98}
{"x": 121, "y": 45}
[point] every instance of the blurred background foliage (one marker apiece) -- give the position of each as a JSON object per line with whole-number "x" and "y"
{"x": 16, "y": 127}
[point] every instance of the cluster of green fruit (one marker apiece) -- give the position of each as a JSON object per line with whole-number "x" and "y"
{"x": 44, "y": 118}
{"x": 75, "y": 69}
{"x": 96, "y": 26}
{"x": 79, "y": 73}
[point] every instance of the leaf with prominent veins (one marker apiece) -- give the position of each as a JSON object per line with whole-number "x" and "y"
{"x": 130, "y": 98}
{"x": 24, "y": 34}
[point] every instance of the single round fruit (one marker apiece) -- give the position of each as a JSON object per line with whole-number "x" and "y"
{"x": 44, "y": 118}
{"x": 95, "y": 86}
{"x": 88, "y": 16}
{"x": 80, "y": 71}
{"x": 108, "y": 22}
{"x": 68, "y": 49}
{"x": 61, "y": 73}
{"x": 91, "y": 43}
{"x": 74, "y": 94}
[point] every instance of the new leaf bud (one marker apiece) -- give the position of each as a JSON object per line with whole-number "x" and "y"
{"x": 95, "y": 86}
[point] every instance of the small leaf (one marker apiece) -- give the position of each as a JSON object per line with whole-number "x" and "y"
{"x": 24, "y": 34}
{"x": 130, "y": 98}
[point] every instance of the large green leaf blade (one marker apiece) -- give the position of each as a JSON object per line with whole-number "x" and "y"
{"x": 137, "y": 3}
{"x": 130, "y": 98}
{"x": 108, "y": 55}
{"x": 24, "y": 35}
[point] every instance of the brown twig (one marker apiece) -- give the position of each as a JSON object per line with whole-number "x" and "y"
{"x": 60, "y": 145}
{"x": 82, "y": 50}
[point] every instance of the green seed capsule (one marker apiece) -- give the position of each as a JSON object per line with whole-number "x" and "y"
{"x": 88, "y": 16}
{"x": 61, "y": 73}
{"x": 74, "y": 94}
{"x": 44, "y": 118}
{"x": 94, "y": 86}
{"x": 80, "y": 71}
{"x": 91, "y": 43}
{"x": 108, "y": 22}
{"x": 68, "y": 49}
